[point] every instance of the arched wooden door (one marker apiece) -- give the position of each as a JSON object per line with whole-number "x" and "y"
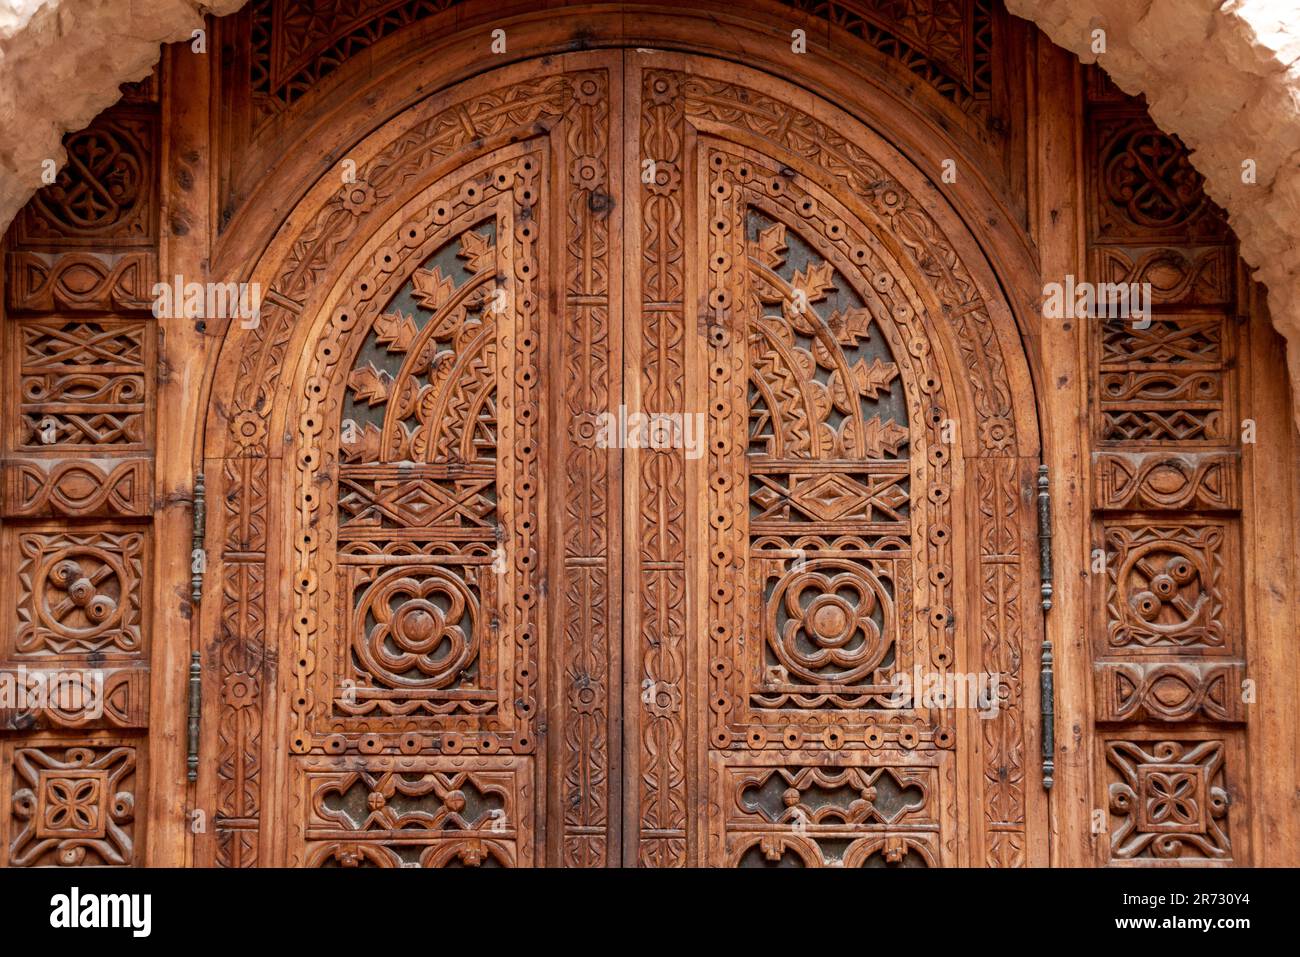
{"x": 612, "y": 446}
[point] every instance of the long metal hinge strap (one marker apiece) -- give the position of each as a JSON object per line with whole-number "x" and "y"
{"x": 1046, "y": 682}
{"x": 1049, "y": 716}
{"x": 196, "y": 699}
{"x": 1045, "y": 536}
{"x": 198, "y": 558}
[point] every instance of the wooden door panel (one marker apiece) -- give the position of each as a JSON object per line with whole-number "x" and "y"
{"x": 452, "y": 579}
{"x": 428, "y": 622}
{"x": 831, "y": 532}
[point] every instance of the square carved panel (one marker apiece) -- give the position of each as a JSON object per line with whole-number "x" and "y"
{"x": 77, "y": 593}
{"x": 72, "y": 804}
{"x": 1142, "y": 186}
{"x": 1169, "y": 586}
{"x": 1172, "y": 799}
{"x": 107, "y": 192}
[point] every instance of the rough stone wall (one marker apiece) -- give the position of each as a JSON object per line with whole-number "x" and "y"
{"x": 61, "y": 63}
{"x": 1222, "y": 74}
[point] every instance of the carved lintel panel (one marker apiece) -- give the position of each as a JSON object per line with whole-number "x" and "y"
{"x": 1169, "y": 691}
{"x": 74, "y": 805}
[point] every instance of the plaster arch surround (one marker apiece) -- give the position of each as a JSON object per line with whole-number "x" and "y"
{"x": 1223, "y": 76}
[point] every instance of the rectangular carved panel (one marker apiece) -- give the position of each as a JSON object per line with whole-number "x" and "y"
{"x": 414, "y": 811}
{"x": 1166, "y": 484}
{"x": 73, "y": 804}
{"x": 1160, "y": 480}
{"x": 78, "y": 488}
{"x": 81, "y": 281}
{"x": 1169, "y": 691}
{"x": 1165, "y": 382}
{"x": 803, "y": 810}
{"x": 69, "y": 696}
{"x": 83, "y": 384}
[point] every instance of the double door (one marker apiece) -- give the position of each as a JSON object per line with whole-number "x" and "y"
{"x": 629, "y": 514}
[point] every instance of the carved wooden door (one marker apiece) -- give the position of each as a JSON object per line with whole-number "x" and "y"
{"x": 649, "y": 435}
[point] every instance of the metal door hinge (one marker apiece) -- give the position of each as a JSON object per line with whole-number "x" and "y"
{"x": 1045, "y": 676}
{"x": 1045, "y": 536}
{"x": 196, "y": 700}
{"x": 198, "y": 558}
{"x": 1049, "y": 715}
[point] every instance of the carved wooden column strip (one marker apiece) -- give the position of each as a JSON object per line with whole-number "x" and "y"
{"x": 585, "y": 473}
{"x": 656, "y": 543}
{"x": 1167, "y": 588}
{"x": 79, "y": 386}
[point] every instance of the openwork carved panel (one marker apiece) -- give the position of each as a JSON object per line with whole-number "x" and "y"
{"x": 428, "y": 490}
{"x": 947, "y": 43}
{"x": 82, "y": 384}
{"x": 841, "y": 814}
{"x": 1165, "y": 383}
{"x": 812, "y": 514}
{"x": 106, "y": 194}
{"x": 413, "y": 812}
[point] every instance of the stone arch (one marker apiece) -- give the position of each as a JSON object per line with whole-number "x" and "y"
{"x": 1221, "y": 76}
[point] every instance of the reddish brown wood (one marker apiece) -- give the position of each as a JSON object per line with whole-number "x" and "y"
{"x": 452, "y": 615}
